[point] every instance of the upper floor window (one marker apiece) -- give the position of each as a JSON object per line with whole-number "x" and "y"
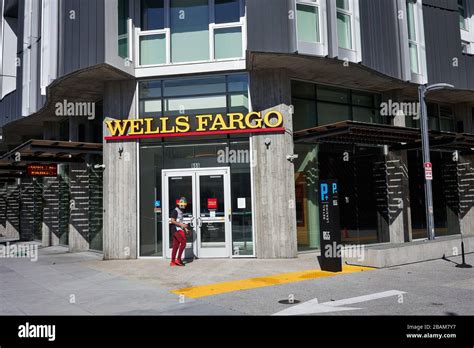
{"x": 308, "y": 20}
{"x": 123, "y": 28}
{"x": 413, "y": 37}
{"x": 185, "y": 31}
{"x": 466, "y": 26}
{"x": 344, "y": 23}
{"x": 317, "y": 105}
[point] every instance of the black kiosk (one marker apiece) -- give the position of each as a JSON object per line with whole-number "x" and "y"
{"x": 330, "y": 236}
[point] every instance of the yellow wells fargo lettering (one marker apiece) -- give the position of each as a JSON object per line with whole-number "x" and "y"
{"x": 204, "y": 123}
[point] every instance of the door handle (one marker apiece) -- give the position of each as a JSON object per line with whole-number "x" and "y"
{"x": 199, "y": 221}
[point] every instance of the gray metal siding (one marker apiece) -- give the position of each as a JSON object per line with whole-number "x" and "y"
{"x": 268, "y": 26}
{"x": 380, "y": 36}
{"x": 443, "y": 48}
{"x": 81, "y": 40}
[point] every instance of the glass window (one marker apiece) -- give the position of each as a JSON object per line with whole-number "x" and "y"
{"x": 412, "y": 37}
{"x": 228, "y": 43}
{"x": 307, "y": 23}
{"x": 302, "y": 89}
{"x": 206, "y": 85}
{"x": 123, "y": 28}
{"x": 332, "y": 113}
{"x": 237, "y": 83}
{"x": 239, "y": 103}
{"x": 189, "y": 30}
{"x": 332, "y": 94}
{"x": 195, "y": 105}
{"x": 304, "y": 116}
{"x": 462, "y": 14}
{"x": 344, "y": 31}
{"x": 226, "y": 11}
{"x": 361, "y": 114}
{"x": 414, "y": 58}
{"x": 153, "y": 15}
{"x": 411, "y": 21}
{"x": 363, "y": 99}
{"x": 306, "y": 192}
{"x": 153, "y": 49}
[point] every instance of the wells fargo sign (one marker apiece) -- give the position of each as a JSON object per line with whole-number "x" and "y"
{"x": 253, "y": 122}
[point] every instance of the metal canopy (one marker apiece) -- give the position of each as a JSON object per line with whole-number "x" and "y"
{"x": 398, "y": 138}
{"x": 14, "y": 163}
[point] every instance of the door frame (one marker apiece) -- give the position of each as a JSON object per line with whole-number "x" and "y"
{"x": 195, "y": 173}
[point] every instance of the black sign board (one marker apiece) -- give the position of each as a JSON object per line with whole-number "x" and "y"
{"x": 330, "y": 236}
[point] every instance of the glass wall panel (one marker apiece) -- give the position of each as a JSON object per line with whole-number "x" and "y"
{"x": 304, "y": 116}
{"x": 332, "y": 94}
{"x": 152, "y": 49}
{"x": 307, "y": 23}
{"x": 123, "y": 14}
{"x": 226, "y": 11}
{"x": 153, "y": 15}
{"x": 189, "y": 30}
{"x": 151, "y": 232}
{"x": 181, "y": 87}
{"x": 306, "y": 192}
{"x": 228, "y": 43}
{"x": 344, "y": 35}
{"x": 332, "y": 113}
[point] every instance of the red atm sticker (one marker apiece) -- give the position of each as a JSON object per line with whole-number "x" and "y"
{"x": 212, "y": 203}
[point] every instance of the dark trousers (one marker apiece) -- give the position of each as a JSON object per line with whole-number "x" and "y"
{"x": 179, "y": 243}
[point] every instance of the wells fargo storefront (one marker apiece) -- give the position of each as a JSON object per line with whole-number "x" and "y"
{"x": 193, "y": 138}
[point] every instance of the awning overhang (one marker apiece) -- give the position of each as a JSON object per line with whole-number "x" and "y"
{"x": 397, "y": 138}
{"x": 14, "y": 163}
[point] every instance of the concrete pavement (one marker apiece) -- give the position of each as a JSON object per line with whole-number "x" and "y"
{"x": 61, "y": 283}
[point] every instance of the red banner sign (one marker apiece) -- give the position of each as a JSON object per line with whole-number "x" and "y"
{"x": 42, "y": 170}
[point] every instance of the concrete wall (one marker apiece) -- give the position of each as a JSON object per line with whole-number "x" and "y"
{"x": 120, "y": 177}
{"x": 273, "y": 175}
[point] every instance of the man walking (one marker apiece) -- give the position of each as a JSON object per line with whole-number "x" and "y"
{"x": 179, "y": 230}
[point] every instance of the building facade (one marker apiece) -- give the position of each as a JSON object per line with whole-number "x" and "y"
{"x": 241, "y": 106}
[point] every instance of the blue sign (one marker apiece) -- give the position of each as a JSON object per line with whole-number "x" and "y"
{"x": 324, "y": 189}
{"x": 157, "y": 204}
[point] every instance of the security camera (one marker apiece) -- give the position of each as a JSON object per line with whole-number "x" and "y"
{"x": 99, "y": 166}
{"x": 291, "y": 158}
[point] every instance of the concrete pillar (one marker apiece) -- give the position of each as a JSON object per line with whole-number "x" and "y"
{"x": 79, "y": 215}
{"x": 273, "y": 175}
{"x": 466, "y": 182}
{"x": 120, "y": 190}
{"x": 50, "y": 226}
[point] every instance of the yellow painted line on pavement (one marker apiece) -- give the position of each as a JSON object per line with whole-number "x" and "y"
{"x": 259, "y": 282}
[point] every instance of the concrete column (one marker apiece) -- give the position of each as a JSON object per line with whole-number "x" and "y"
{"x": 466, "y": 182}
{"x": 273, "y": 175}
{"x": 79, "y": 220}
{"x": 120, "y": 177}
{"x": 50, "y": 229}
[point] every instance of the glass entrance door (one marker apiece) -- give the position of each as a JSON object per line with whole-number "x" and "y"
{"x": 208, "y": 212}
